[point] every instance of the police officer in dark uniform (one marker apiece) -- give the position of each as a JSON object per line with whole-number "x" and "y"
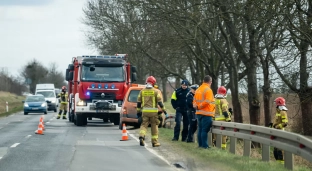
{"x": 178, "y": 102}
{"x": 191, "y": 114}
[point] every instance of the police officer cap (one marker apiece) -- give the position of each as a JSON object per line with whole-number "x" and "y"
{"x": 195, "y": 86}
{"x": 185, "y": 82}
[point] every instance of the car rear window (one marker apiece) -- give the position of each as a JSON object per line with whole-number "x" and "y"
{"x": 133, "y": 96}
{"x": 35, "y": 99}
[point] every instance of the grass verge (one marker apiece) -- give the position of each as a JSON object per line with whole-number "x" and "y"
{"x": 217, "y": 159}
{"x": 14, "y": 101}
{"x": 14, "y": 110}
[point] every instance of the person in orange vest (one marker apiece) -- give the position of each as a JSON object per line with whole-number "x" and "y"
{"x": 280, "y": 122}
{"x": 222, "y": 112}
{"x": 204, "y": 103}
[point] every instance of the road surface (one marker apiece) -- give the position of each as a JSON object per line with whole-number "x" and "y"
{"x": 65, "y": 146}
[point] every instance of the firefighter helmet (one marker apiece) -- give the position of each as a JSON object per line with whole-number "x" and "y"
{"x": 64, "y": 88}
{"x": 151, "y": 80}
{"x": 280, "y": 101}
{"x": 221, "y": 90}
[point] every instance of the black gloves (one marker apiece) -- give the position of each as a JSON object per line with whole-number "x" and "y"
{"x": 225, "y": 114}
{"x": 270, "y": 125}
{"x": 139, "y": 114}
{"x": 140, "y": 120}
{"x": 231, "y": 110}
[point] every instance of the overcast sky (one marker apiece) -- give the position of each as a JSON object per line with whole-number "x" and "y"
{"x": 48, "y": 30}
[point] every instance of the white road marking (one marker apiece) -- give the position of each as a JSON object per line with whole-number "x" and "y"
{"x": 47, "y": 122}
{"x": 15, "y": 145}
{"x": 150, "y": 150}
{"x": 28, "y": 136}
{"x": 0, "y": 158}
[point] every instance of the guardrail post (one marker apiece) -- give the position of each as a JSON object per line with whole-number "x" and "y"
{"x": 247, "y": 146}
{"x": 218, "y": 140}
{"x": 233, "y": 141}
{"x": 289, "y": 160}
{"x": 265, "y": 152}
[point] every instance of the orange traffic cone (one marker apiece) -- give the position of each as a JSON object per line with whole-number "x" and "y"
{"x": 41, "y": 121}
{"x": 124, "y": 133}
{"x": 40, "y": 129}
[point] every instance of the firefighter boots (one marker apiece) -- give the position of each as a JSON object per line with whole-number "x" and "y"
{"x": 142, "y": 141}
{"x": 64, "y": 115}
{"x": 155, "y": 143}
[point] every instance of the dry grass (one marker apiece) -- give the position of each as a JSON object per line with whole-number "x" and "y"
{"x": 12, "y": 99}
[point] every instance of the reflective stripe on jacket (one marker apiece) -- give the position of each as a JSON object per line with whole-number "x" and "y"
{"x": 204, "y": 99}
{"x": 149, "y": 97}
{"x": 64, "y": 97}
{"x": 222, "y": 106}
{"x": 280, "y": 119}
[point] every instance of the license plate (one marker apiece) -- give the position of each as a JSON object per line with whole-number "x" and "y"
{"x": 34, "y": 108}
{"x": 101, "y": 111}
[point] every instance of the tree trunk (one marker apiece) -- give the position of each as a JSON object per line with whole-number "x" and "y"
{"x": 164, "y": 85}
{"x": 253, "y": 97}
{"x": 267, "y": 93}
{"x": 306, "y": 108}
{"x": 237, "y": 108}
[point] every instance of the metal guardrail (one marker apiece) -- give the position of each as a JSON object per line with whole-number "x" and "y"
{"x": 290, "y": 142}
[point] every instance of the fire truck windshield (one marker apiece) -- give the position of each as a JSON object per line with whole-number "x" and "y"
{"x": 102, "y": 73}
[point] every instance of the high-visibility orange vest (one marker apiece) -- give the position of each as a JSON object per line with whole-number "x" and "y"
{"x": 204, "y": 99}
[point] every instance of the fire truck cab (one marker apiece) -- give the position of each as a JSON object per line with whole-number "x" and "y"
{"x": 97, "y": 86}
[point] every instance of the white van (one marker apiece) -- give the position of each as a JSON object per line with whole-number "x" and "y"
{"x": 48, "y": 91}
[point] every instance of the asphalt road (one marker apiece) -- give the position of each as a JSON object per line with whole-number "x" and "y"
{"x": 65, "y": 146}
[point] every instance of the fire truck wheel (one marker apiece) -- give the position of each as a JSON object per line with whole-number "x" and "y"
{"x": 85, "y": 119}
{"x": 79, "y": 120}
{"x": 69, "y": 117}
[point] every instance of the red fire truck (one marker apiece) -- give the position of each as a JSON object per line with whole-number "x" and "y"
{"x": 97, "y": 86}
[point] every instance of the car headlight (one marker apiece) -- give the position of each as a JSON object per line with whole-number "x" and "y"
{"x": 81, "y": 103}
{"x": 43, "y": 105}
{"x": 53, "y": 101}
{"x": 26, "y": 105}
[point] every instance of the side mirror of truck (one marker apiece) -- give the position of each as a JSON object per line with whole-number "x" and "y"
{"x": 134, "y": 77}
{"x": 67, "y": 75}
{"x": 71, "y": 67}
{"x": 133, "y": 69}
{"x": 71, "y": 76}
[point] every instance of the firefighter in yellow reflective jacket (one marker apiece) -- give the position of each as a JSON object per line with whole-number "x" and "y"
{"x": 280, "y": 122}
{"x": 63, "y": 106}
{"x": 147, "y": 105}
{"x": 222, "y": 112}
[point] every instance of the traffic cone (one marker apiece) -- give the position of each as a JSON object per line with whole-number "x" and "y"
{"x": 41, "y": 121}
{"x": 40, "y": 129}
{"x": 124, "y": 133}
